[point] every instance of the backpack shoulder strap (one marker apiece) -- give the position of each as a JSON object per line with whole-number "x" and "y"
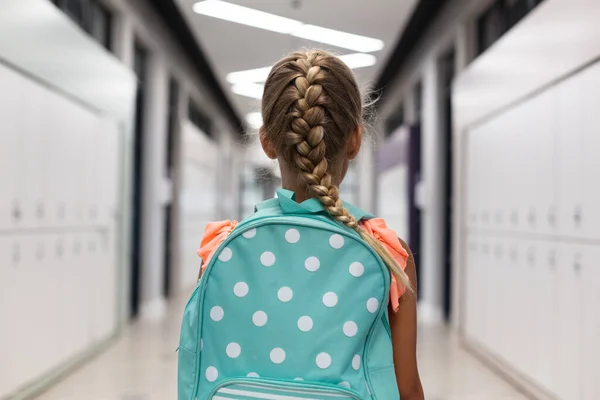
{"x": 286, "y": 202}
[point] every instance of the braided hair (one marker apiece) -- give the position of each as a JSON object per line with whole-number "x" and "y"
{"x": 311, "y": 106}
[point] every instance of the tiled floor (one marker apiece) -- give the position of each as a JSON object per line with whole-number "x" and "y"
{"x": 142, "y": 365}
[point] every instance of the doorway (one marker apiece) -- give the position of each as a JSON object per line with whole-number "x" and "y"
{"x": 170, "y": 171}
{"x": 447, "y": 72}
{"x": 415, "y": 168}
{"x": 140, "y": 66}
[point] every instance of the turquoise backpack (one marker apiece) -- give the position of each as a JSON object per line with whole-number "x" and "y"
{"x": 292, "y": 306}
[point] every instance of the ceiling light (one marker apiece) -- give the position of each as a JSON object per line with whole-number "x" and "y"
{"x": 359, "y": 60}
{"x": 251, "y": 75}
{"x": 338, "y": 38}
{"x": 259, "y": 75}
{"x": 271, "y": 22}
{"x": 246, "y": 16}
{"x": 253, "y": 90}
{"x": 254, "y": 120}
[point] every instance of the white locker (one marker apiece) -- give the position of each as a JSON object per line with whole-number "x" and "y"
{"x": 544, "y": 293}
{"x": 569, "y": 126}
{"x": 487, "y": 293}
{"x": 588, "y": 104}
{"x": 539, "y": 137}
{"x": 507, "y": 273}
{"x": 70, "y": 339}
{"x": 472, "y": 301}
{"x": 10, "y": 82}
{"x": 105, "y": 288}
{"x": 9, "y": 295}
{"x": 494, "y": 294}
{"x": 45, "y": 304}
{"x": 32, "y": 117}
{"x": 58, "y": 182}
{"x": 591, "y": 323}
{"x": 568, "y": 373}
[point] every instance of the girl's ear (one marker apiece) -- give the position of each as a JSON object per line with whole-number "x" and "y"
{"x": 355, "y": 142}
{"x": 267, "y": 145}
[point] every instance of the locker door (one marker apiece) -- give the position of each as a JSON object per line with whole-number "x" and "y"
{"x": 567, "y": 377}
{"x": 569, "y": 127}
{"x": 590, "y": 104}
{"x": 510, "y": 307}
{"x": 472, "y": 302}
{"x": 484, "y": 294}
{"x": 591, "y": 323}
{"x": 472, "y": 179}
{"x": 545, "y": 318}
{"x": 113, "y": 171}
{"x": 71, "y": 260}
{"x": 10, "y": 82}
{"x": 540, "y": 148}
{"x": 494, "y": 274}
{"x": 526, "y": 313}
{"x": 43, "y": 292}
{"x": 9, "y": 264}
{"x": 506, "y": 277}
{"x": 32, "y": 120}
{"x": 58, "y": 167}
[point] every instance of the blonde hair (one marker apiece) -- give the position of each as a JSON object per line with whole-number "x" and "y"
{"x": 311, "y": 106}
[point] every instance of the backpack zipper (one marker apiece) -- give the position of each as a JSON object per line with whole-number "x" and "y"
{"x": 241, "y": 228}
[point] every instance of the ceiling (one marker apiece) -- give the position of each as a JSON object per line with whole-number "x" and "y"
{"x": 232, "y": 47}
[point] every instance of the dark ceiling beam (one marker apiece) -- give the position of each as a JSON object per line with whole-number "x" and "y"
{"x": 176, "y": 23}
{"x": 420, "y": 21}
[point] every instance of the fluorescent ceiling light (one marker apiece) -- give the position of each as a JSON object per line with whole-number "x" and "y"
{"x": 359, "y": 60}
{"x": 253, "y": 90}
{"x": 251, "y": 75}
{"x": 271, "y": 22}
{"x": 338, "y": 38}
{"x": 254, "y": 120}
{"x": 259, "y": 75}
{"x": 246, "y": 16}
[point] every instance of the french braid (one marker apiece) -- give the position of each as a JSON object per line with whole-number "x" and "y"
{"x": 303, "y": 80}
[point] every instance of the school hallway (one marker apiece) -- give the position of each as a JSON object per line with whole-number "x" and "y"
{"x": 142, "y": 365}
{"x": 131, "y": 129}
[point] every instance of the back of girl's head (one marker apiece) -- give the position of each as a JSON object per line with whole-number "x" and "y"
{"x": 311, "y": 108}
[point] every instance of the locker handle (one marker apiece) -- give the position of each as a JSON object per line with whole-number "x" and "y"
{"x": 39, "y": 212}
{"x": 552, "y": 260}
{"x": 577, "y": 215}
{"x": 61, "y": 211}
{"x": 16, "y": 213}
{"x": 552, "y": 216}
{"x": 513, "y": 255}
{"x": 60, "y": 250}
{"x": 531, "y": 256}
{"x": 39, "y": 253}
{"x": 514, "y": 217}
{"x": 531, "y": 217}
{"x": 16, "y": 254}
{"x": 577, "y": 264}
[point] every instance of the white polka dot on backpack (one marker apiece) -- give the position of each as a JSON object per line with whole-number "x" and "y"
{"x": 336, "y": 241}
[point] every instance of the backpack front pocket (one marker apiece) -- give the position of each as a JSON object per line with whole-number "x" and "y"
{"x": 243, "y": 389}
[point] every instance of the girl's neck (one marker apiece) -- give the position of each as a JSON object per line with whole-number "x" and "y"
{"x": 290, "y": 181}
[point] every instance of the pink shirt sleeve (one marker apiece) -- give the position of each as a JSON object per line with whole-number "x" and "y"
{"x": 215, "y": 233}
{"x": 389, "y": 240}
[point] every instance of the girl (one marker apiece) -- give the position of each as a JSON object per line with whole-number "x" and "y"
{"x": 312, "y": 112}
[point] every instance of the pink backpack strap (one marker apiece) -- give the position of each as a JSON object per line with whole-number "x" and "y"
{"x": 389, "y": 239}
